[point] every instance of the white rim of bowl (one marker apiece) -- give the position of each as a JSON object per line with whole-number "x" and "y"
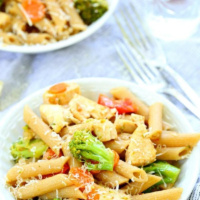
{"x": 33, "y": 49}
{"x": 118, "y": 82}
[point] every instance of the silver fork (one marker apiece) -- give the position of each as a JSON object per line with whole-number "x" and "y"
{"x": 136, "y": 53}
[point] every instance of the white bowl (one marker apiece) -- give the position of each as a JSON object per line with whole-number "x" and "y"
{"x": 11, "y": 127}
{"x": 31, "y": 49}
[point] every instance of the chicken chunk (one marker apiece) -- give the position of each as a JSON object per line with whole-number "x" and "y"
{"x": 62, "y": 98}
{"x": 56, "y": 116}
{"x": 140, "y": 151}
{"x": 84, "y": 108}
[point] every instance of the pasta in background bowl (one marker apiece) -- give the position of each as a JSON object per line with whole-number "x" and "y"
{"x": 64, "y": 39}
{"x": 11, "y": 126}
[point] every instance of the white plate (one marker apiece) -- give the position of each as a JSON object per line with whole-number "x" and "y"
{"x": 63, "y": 43}
{"x": 11, "y": 127}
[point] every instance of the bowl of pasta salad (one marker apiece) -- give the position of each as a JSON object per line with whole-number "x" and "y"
{"x": 36, "y": 26}
{"x": 97, "y": 139}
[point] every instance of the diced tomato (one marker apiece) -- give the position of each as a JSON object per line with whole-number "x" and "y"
{"x": 93, "y": 194}
{"x": 58, "y": 88}
{"x": 116, "y": 158}
{"x": 65, "y": 169}
{"x": 80, "y": 177}
{"x": 50, "y": 154}
{"x": 122, "y": 106}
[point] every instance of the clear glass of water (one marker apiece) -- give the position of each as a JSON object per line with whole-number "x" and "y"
{"x": 173, "y": 19}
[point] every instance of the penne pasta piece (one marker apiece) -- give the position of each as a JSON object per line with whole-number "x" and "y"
{"x": 19, "y": 28}
{"x": 59, "y": 18}
{"x": 111, "y": 179}
{"x": 10, "y": 38}
{"x": 123, "y": 93}
{"x": 44, "y": 167}
{"x": 39, "y": 187}
{"x": 125, "y": 126}
{"x": 67, "y": 192}
{"x": 131, "y": 172}
{"x": 172, "y": 194}
{"x": 120, "y": 144}
{"x": 75, "y": 20}
{"x": 51, "y": 138}
{"x": 110, "y": 194}
{"x": 45, "y": 25}
{"x": 62, "y": 98}
{"x": 39, "y": 38}
{"x": 140, "y": 151}
{"x": 134, "y": 188}
{"x": 155, "y": 121}
{"x": 172, "y": 153}
{"x": 173, "y": 139}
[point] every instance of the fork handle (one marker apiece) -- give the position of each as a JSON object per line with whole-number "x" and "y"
{"x": 189, "y": 92}
{"x": 193, "y": 109}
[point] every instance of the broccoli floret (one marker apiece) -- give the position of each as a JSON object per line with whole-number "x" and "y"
{"x": 91, "y": 10}
{"x": 87, "y": 148}
{"x": 169, "y": 173}
{"x": 28, "y": 148}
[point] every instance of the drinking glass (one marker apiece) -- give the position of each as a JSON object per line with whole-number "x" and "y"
{"x": 173, "y": 19}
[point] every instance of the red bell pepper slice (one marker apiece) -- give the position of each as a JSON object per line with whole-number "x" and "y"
{"x": 123, "y": 106}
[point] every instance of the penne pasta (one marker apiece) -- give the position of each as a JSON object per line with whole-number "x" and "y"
{"x": 120, "y": 144}
{"x": 111, "y": 179}
{"x": 51, "y": 138}
{"x": 172, "y": 153}
{"x": 10, "y": 38}
{"x": 172, "y": 194}
{"x": 134, "y": 188}
{"x": 40, "y": 187}
{"x": 75, "y": 20}
{"x": 134, "y": 173}
{"x": 173, "y": 139}
{"x": 44, "y": 167}
{"x": 59, "y": 18}
{"x": 155, "y": 121}
{"x": 67, "y": 192}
